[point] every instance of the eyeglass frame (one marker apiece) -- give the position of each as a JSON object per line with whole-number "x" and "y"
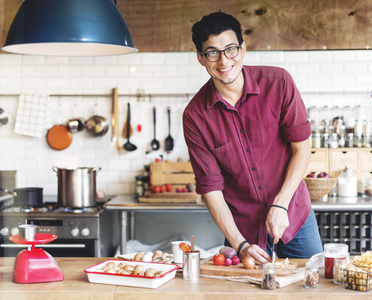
{"x": 221, "y": 51}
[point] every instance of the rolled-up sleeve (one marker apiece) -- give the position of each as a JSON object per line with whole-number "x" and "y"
{"x": 208, "y": 175}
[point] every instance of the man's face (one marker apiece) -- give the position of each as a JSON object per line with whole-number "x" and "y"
{"x": 225, "y": 70}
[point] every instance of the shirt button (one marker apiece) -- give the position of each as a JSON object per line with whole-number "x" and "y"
{"x": 248, "y": 150}
{"x": 242, "y": 130}
{"x": 253, "y": 169}
{"x": 260, "y": 187}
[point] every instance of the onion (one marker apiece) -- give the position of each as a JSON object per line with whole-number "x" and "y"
{"x": 249, "y": 262}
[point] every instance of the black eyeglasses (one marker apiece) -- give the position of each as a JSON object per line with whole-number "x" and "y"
{"x": 215, "y": 55}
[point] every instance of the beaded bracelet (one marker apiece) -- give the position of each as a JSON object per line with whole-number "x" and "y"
{"x": 279, "y": 206}
{"x": 240, "y": 248}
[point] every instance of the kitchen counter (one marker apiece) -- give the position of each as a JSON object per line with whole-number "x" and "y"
{"x": 76, "y": 286}
{"x": 127, "y": 206}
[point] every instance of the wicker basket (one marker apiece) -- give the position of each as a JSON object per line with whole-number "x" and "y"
{"x": 319, "y": 187}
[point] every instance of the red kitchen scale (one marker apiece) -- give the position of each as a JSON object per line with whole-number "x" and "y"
{"x": 34, "y": 264}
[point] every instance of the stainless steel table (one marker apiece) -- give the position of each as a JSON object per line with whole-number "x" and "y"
{"x": 127, "y": 206}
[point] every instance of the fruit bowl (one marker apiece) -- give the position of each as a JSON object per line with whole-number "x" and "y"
{"x": 319, "y": 187}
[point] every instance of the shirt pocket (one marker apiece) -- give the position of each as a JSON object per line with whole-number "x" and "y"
{"x": 229, "y": 158}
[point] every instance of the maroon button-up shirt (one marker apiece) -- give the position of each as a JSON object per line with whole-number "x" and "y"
{"x": 244, "y": 150}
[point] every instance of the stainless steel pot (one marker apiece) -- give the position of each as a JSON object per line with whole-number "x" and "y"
{"x": 77, "y": 187}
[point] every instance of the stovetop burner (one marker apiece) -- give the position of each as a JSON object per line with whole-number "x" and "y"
{"x": 76, "y": 210}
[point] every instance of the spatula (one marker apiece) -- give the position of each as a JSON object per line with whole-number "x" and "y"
{"x": 169, "y": 142}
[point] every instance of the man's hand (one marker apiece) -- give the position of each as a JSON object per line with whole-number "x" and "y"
{"x": 276, "y": 223}
{"x": 259, "y": 255}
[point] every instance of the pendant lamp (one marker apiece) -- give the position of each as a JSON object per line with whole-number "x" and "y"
{"x": 69, "y": 28}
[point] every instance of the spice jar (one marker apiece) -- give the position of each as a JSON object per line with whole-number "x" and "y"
{"x": 139, "y": 186}
{"x": 339, "y": 266}
{"x": 268, "y": 277}
{"x": 333, "y": 141}
{"x": 311, "y": 275}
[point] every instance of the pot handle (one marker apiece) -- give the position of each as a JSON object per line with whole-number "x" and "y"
{"x": 95, "y": 169}
{"x": 55, "y": 169}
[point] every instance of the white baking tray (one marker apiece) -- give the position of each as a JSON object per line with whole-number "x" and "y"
{"x": 95, "y": 276}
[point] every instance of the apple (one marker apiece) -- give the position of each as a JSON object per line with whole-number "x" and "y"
{"x": 323, "y": 175}
{"x": 185, "y": 190}
{"x": 311, "y": 175}
{"x": 178, "y": 190}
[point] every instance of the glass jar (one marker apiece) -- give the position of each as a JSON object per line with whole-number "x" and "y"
{"x": 139, "y": 186}
{"x": 325, "y": 140}
{"x": 347, "y": 183}
{"x": 333, "y": 141}
{"x": 366, "y": 141}
{"x": 268, "y": 277}
{"x": 358, "y": 141}
{"x": 339, "y": 266}
{"x": 316, "y": 140}
{"x": 349, "y": 140}
{"x": 365, "y": 187}
{"x": 311, "y": 275}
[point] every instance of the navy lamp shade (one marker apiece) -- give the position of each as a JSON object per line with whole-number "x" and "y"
{"x": 69, "y": 28}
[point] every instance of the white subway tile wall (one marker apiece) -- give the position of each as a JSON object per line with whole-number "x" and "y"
{"x": 325, "y": 78}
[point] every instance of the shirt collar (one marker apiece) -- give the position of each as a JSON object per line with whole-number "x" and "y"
{"x": 250, "y": 87}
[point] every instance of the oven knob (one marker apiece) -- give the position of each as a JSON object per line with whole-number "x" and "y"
{"x": 14, "y": 231}
{"x": 4, "y": 231}
{"x": 85, "y": 232}
{"x": 75, "y": 232}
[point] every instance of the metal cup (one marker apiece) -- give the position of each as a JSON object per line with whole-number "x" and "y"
{"x": 191, "y": 265}
{"x": 27, "y": 231}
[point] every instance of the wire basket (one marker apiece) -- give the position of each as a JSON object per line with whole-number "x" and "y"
{"x": 319, "y": 187}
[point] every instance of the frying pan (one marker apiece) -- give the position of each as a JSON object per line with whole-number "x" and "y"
{"x": 30, "y": 196}
{"x": 59, "y": 137}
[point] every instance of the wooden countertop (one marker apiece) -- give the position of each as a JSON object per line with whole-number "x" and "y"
{"x": 76, "y": 286}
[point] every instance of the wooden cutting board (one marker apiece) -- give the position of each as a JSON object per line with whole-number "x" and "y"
{"x": 208, "y": 268}
{"x": 167, "y": 197}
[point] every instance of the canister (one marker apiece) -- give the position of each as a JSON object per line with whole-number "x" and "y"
{"x": 191, "y": 265}
{"x": 27, "y": 231}
{"x": 347, "y": 183}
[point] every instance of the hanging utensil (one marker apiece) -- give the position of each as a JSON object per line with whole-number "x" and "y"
{"x": 128, "y": 145}
{"x": 155, "y": 145}
{"x": 115, "y": 119}
{"x": 3, "y": 117}
{"x": 96, "y": 125}
{"x": 75, "y": 124}
{"x": 169, "y": 142}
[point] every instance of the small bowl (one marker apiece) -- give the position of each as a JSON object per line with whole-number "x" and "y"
{"x": 27, "y": 231}
{"x": 319, "y": 187}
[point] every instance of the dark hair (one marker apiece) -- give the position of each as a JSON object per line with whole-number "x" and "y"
{"x": 215, "y": 24}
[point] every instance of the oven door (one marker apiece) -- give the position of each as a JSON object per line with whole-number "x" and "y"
{"x": 57, "y": 248}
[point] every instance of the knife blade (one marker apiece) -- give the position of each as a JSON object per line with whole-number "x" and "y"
{"x": 273, "y": 257}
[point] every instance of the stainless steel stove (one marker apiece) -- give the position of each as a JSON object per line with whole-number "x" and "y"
{"x": 82, "y": 232}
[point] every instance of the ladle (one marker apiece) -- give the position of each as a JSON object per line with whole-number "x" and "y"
{"x": 128, "y": 145}
{"x": 169, "y": 142}
{"x": 155, "y": 145}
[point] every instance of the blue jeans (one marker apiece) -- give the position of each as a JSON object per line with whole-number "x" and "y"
{"x": 305, "y": 244}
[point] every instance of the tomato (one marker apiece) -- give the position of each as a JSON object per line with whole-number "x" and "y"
{"x": 169, "y": 187}
{"x": 163, "y": 189}
{"x": 218, "y": 259}
{"x": 155, "y": 189}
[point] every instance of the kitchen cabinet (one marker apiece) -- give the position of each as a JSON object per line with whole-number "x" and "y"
{"x": 333, "y": 161}
{"x": 318, "y": 161}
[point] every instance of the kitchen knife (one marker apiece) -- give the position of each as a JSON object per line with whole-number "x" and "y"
{"x": 273, "y": 257}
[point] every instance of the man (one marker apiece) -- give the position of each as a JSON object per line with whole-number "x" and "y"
{"x": 248, "y": 138}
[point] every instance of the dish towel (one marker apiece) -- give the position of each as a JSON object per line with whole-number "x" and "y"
{"x": 31, "y": 113}
{"x": 280, "y": 281}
